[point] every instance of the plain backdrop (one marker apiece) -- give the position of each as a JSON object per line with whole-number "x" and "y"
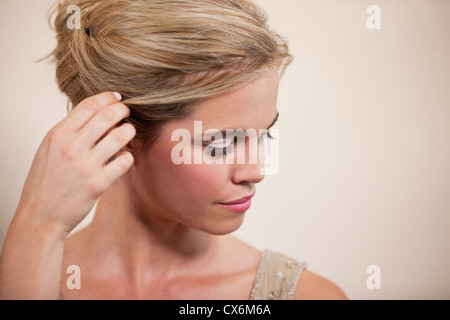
{"x": 364, "y": 128}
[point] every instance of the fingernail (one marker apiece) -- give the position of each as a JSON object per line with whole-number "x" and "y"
{"x": 118, "y": 96}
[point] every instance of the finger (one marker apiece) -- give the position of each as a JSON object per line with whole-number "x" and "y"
{"x": 112, "y": 143}
{"x": 101, "y": 123}
{"x": 87, "y": 108}
{"x": 116, "y": 168}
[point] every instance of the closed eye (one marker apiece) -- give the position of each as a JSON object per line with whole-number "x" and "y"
{"x": 221, "y": 149}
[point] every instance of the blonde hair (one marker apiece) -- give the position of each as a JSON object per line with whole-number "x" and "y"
{"x": 163, "y": 56}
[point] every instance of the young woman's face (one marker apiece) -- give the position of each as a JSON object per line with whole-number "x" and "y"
{"x": 190, "y": 193}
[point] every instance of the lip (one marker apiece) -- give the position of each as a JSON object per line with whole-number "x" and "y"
{"x": 238, "y": 206}
{"x": 239, "y": 201}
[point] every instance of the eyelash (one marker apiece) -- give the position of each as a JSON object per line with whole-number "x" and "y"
{"x": 226, "y": 151}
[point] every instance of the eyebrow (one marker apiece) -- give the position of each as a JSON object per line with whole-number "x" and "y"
{"x": 224, "y": 131}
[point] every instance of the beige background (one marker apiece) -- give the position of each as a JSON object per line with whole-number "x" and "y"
{"x": 365, "y": 139}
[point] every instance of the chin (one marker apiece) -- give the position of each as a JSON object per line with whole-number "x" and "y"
{"x": 221, "y": 228}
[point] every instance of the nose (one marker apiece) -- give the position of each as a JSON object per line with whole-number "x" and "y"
{"x": 249, "y": 172}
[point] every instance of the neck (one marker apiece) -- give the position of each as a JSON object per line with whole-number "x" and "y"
{"x": 139, "y": 242}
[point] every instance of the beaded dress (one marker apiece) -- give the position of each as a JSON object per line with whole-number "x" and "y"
{"x": 277, "y": 277}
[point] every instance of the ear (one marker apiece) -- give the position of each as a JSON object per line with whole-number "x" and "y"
{"x": 130, "y": 147}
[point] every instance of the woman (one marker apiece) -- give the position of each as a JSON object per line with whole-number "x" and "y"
{"x": 138, "y": 71}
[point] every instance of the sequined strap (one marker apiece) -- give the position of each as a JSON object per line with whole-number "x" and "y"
{"x": 277, "y": 277}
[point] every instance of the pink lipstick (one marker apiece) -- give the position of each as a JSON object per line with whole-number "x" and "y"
{"x": 238, "y": 206}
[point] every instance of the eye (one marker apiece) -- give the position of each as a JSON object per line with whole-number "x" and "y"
{"x": 220, "y": 149}
{"x": 266, "y": 134}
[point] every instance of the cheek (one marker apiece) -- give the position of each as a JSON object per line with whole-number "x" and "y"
{"x": 187, "y": 182}
{"x": 202, "y": 180}
{"x": 205, "y": 180}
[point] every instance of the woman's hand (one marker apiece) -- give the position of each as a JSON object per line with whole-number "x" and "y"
{"x": 68, "y": 173}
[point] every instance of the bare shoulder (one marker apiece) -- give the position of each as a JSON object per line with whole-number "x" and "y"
{"x": 311, "y": 286}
